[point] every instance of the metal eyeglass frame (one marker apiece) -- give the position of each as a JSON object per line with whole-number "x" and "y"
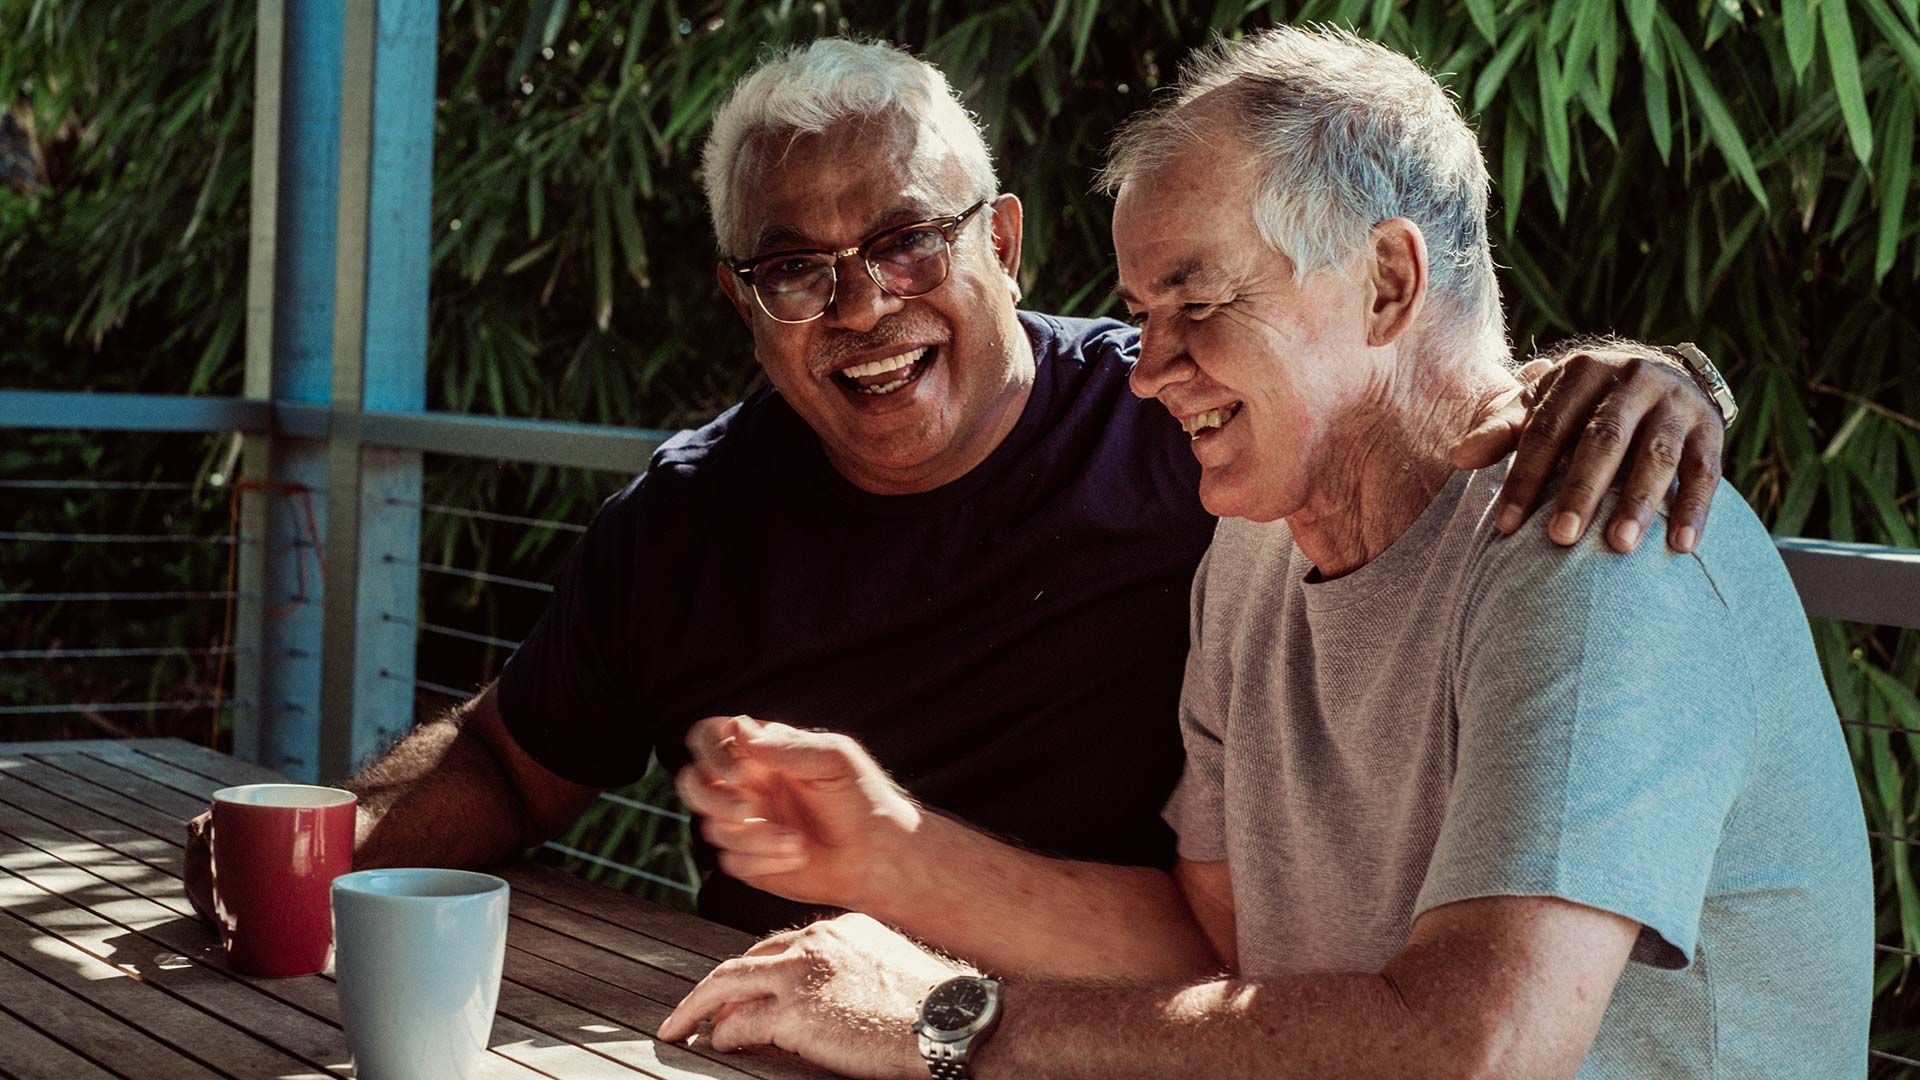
{"x": 948, "y": 226}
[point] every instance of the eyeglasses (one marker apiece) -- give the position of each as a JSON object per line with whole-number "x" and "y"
{"x": 905, "y": 261}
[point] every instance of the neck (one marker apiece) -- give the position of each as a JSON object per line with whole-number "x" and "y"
{"x": 1388, "y": 460}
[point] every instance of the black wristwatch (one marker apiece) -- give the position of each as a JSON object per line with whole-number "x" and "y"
{"x": 956, "y": 1018}
{"x": 1708, "y": 376}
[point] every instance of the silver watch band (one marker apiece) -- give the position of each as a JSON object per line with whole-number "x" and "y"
{"x": 1708, "y": 377}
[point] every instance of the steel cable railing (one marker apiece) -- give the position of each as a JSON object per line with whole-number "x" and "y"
{"x": 68, "y": 508}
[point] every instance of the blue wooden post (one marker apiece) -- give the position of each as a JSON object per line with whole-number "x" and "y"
{"x": 289, "y": 358}
{"x": 337, "y": 317}
{"x": 379, "y": 362}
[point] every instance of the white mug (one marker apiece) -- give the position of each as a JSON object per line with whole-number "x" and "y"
{"x": 417, "y": 958}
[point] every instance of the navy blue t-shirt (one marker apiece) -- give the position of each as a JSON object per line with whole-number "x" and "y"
{"x": 1009, "y": 646}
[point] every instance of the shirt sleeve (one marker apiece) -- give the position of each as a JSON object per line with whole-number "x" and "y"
{"x": 573, "y": 694}
{"x": 1197, "y": 808}
{"x": 1606, "y": 727}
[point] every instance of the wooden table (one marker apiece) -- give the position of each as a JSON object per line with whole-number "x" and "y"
{"x": 105, "y": 972}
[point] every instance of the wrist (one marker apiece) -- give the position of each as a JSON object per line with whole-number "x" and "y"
{"x": 905, "y": 857}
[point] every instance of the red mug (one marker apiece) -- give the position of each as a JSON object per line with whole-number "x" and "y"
{"x": 276, "y": 850}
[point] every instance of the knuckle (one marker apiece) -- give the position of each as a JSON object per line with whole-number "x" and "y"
{"x": 1663, "y": 449}
{"x": 1606, "y": 430}
{"x": 1578, "y": 491}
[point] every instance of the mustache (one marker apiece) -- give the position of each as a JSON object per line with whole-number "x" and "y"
{"x": 835, "y": 350}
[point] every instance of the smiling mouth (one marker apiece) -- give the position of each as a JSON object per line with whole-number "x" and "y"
{"x": 1201, "y": 423}
{"x": 887, "y": 375}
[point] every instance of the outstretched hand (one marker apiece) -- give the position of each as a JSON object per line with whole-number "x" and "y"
{"x": 1602, "y": 406}
{"x": 808, "y": 815}
{"x": 842, "y": 993}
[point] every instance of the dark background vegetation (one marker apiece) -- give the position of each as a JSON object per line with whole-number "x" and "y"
{"x": 1733, "y": 172}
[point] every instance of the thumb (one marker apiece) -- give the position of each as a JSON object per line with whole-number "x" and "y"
{"x": 1494, "y": 434}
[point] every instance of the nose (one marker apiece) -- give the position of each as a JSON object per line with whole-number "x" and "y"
{"x": 858, "y": 303}
{"x": 1162, "y": 363}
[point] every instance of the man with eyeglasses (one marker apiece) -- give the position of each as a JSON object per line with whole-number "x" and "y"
{"x": 946, "y": 527}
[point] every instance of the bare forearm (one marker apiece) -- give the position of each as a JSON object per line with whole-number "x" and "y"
{"x": 1327, "y": 1026}
{"x": 438, "y": 798}
{"x": 1020, "y": 914}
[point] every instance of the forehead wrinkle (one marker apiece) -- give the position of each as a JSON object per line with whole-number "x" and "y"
{"x": 906, "y": 212}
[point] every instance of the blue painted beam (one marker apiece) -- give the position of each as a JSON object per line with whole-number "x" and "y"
{"x": 131, "y": 412}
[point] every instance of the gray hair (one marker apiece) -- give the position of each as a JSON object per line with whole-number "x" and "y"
{"x": 808, "y": 89}
{"x": 1346, "y": 134}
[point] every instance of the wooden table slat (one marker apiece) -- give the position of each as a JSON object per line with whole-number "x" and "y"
{"x": 228, "y": 771}
{"x": 66, "y": 820}
{"x": 183, "y": 1029}
{"x": 103, "y": 966}
{"x": 690, "y": 932}
{"x": 161, "y": 809}
{"x": 90, "y": 796}
{"x": 635, "y": 946}
{"x": 597, "y": 1034}
{"x": 194, "y": 786}
{"x": 75, "y": 1020}
{"x": 32, "y": 1055}
{"x": 223, "y": 1032}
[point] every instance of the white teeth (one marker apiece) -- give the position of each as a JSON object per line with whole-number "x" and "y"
{"x": 883, "y": 365}
{"x": 885, "y": 388}
{"x": 1212, "y": 418}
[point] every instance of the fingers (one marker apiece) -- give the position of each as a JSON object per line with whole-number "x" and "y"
{"x": 750, "y": 1023}
{"x": 735, "y": 982}
{"x": 711, "y": 743}
{"x": 1567, "y": 396}
{"x": 1596, "y": 461}
{"x": 1656, "y": 458}
{"x": 709, "y": 797}
{"x": 1699, "y": 479}
{"x": 755, "y": 849}
{"x": 818, "y": 756}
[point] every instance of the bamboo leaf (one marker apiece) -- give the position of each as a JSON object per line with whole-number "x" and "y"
{"x": 1836, "y": 28}
{"x": 1485, "y": 87}
{"x": 1796, "y": 23}
{"x": 1554, "y": 127}
{"x": 1513, "y": 182}
{"x": 1082, "y": 32}
{"x": 602, "y": 261}
{"x": 1606, "y": 54}
{"x": 1893, "y": 524}
{"x": 1481, "y": 11}
{"x": 1896, "y": 180}
{"x": 633, "y": 245}
{"x": 1640, "y": 15}
{"x": 1719, "y": 123}
{"x": 1897, "y": 34}
{"x": 1659, "y": 117}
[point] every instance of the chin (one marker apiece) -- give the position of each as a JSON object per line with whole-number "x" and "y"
{"x": 1228, "y": 499}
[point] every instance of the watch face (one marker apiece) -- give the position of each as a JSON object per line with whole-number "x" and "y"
{"x": 956, "y": 1005}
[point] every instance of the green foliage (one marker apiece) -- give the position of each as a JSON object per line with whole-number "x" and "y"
{"x": 1725, "y": 171}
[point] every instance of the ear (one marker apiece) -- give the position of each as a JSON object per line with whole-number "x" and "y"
{"x": 1007, "y": 225}
{"x": 736, "y": 291}
{"x": 1396, "y": 280}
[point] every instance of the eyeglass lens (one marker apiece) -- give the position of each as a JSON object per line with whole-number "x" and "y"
{"x": 907, "y": 264}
